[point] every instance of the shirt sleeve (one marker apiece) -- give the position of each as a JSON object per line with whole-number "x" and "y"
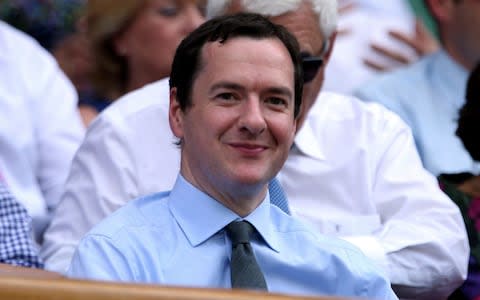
{"x": 102, "y": 178}
{"x": 98, "y": 258}
{"x": 422, "y": 236}
{"x": 58, "y": 126}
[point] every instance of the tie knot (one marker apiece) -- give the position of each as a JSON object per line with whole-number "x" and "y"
{"x": 239, "y": 232}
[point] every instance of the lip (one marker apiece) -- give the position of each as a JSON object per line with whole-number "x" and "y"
{"x": 249, "y": 148}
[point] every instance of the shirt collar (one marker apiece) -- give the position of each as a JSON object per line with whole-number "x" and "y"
{"x": 449, "y": 78}
{"x": 200, "y": 216}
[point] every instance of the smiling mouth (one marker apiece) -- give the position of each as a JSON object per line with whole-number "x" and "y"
{"x": 249, "y": 149}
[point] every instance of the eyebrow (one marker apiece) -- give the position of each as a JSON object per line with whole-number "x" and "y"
{"x": 234, "y": 86}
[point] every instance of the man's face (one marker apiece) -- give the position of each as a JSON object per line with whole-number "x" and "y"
{"x": 152, "y": 37}
{"x": 304, "y": 25}
{"x": 240, "y": 127}
{"x": 465, "y": 31}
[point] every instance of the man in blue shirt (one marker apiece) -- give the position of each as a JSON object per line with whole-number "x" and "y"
{"x": 235, "y": 94}
{"x": 428, "y": 94}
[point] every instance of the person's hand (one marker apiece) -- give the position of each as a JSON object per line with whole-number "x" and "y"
{"x": 423, "y": 43}
{"x": 87, "y": 113}
{"x": 345, "y": 8}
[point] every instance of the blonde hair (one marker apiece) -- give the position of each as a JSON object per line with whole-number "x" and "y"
{"x": 106, "y": 19}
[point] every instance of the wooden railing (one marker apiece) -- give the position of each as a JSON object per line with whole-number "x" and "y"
{"x": 29, "y": 284}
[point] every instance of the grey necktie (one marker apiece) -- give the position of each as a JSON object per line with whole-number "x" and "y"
{"x": 277, "y": 195}
{"x": 244, "y": 269}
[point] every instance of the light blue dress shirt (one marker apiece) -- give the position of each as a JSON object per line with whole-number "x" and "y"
{"x": 427, "y": 95}
{"x": 177, "y": 238}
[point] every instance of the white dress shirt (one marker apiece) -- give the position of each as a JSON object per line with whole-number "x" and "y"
{"x": 40, "y": 128}
{"x": 353, "y": 173}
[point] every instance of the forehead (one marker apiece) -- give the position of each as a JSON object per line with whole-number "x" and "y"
{"x": 247, "y": 59}
{"x": 269, "y": 51}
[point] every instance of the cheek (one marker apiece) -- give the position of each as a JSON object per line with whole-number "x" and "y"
{"x": 158, "y": 48}
{"x": 283, "y": 130}
{"x": 155, "y": 33}
{"x": 167, "y": 36}
{"x": 215, "y": 124}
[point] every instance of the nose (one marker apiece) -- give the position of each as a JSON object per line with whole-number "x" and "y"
{"x": 252, "y": 119}
{"x": 193, "y": 16}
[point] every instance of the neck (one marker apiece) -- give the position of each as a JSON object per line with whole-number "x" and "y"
{"x": 241, "y": 198}
{"x": 139, "y": 78}
{"x": 460, "y": 56}
{"x": 135, "y": 83}
{"x": 459, "y": 59}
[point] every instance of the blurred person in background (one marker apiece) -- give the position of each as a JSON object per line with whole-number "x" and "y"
{"x": 16, "y": 239}
{"x": 58, "y": 26}
{"x": 383, "y": 35}
{"x": 47, "y": 21}
{"x": 40, "y": 128}
{"x": 133, "y": 43}
{"x": 107, "y": 49}
{"x": 428, "y": 94}
{"x": 464, "y": 188}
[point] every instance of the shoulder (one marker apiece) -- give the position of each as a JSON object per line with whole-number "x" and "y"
{"x": 144, "y": 108}
{"x": 398, "y": 83}
{"x": 13, "y": 40}
{"x": 153, "y": 96}
{"x": 141, "y": 109}
{"x": 15, "y": 44}
{"x": 131, "y": 217}
{"x": 32, "y": 72}
{"x": 293, "y": 232}
{"x": 336, "y": 111}
{"x": 301, "y": 241}
{"x": 330, "y": 255}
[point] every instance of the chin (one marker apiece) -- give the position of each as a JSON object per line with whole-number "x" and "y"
{"x": 252, "y": 180}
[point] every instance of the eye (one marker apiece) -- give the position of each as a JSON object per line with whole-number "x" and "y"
{"x": 168, "y": 11}
{"x": 226, "y": 96}
{"x": 277, "y": 102}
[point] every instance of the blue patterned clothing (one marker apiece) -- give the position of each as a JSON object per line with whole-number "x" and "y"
{"x": 16, "y": 240}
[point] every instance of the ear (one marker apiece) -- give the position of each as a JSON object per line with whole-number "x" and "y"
{"x": 175, "y": 114}
{"x": 331, "y": 43}
{"x": 441, "y": 9}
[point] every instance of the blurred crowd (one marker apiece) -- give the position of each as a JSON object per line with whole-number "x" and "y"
{"x": 66, "y": 139}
